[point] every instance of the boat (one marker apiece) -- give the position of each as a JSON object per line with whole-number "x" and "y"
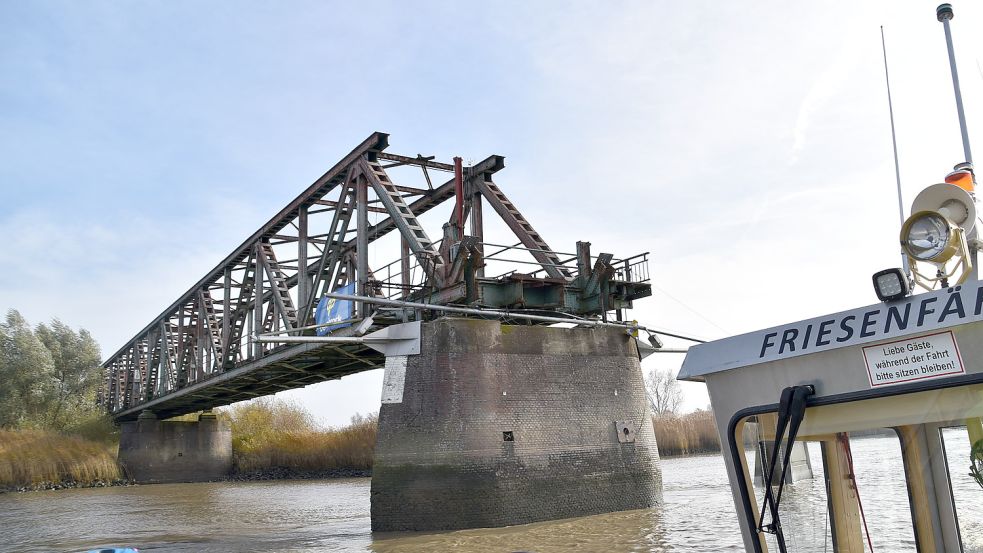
{"x": 911, "y": 367}
{"x": 798, "y": 406}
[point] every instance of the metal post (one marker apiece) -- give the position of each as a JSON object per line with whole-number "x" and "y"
{"x": 226, "y": 312}
{"x": 944, "y": 14}
{"x": 128, "y": 382}
{"x": 477, "y": 224}
{"x": 164, "y": 365}
{"x": 303, "y": 278}
{"x": 583, "y": 260}
{"x": 258, "y": 300}
{"x": 459, "y": 194}
{"x": 181, "y": 349}
{"x": 404, "y": 266}
{"x": 200, "y": 345}
{"x": 362, "y": 242}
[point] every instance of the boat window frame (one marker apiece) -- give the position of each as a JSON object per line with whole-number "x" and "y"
{"x": 814, "y": 401}
{"x": 948, "y": 473}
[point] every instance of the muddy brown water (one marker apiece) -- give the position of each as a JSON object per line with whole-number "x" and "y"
{"x": 333, "y": 515}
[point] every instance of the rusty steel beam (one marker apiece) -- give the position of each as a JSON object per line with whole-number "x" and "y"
{"x": 377, "y": 141}
{"x": 418, "y": 161}
{"x": 199, "y": 352}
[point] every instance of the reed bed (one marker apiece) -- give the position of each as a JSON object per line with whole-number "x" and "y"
{"x": 32, "y": 457}
{"x": 282, "y": 435}
{"x": 689, "y": 434}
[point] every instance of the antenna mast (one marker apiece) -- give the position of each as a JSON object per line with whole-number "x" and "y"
{"x": 944, "y": 14}
{"x": 894, "y": 144}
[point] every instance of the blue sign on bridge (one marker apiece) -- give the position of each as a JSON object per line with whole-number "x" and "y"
{"x": 330, "y": 310}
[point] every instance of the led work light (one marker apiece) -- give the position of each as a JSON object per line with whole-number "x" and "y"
{"x": 891, "y": 284}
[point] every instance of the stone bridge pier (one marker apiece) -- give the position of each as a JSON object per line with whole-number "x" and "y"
{"x": 494, "y": 425}
{"x": 156, "y": 451}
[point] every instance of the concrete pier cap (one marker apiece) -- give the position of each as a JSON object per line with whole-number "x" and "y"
{"x": 156, "y": 451}
{"x": 494, "y": 425}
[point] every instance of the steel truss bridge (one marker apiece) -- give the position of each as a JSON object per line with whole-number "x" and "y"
{"x": 203, "y": 351}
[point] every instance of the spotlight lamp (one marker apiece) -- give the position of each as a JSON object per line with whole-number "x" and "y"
{"x": 937, "y": 234}
{"x": 928, "y": 236}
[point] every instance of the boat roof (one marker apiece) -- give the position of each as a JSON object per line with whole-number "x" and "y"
{"x": 915, "y": 314}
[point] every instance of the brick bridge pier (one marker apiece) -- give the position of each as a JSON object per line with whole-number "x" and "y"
{"x": 493, "y": 425}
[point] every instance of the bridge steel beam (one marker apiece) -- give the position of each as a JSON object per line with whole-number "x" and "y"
{"x": 204, "y": 335}
{"x": 270, "y": 284}
{"x": 297, "y": 365}
{"x": 239, "y": 299}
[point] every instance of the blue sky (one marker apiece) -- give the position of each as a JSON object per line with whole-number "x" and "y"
{"x": 746, "y": 146}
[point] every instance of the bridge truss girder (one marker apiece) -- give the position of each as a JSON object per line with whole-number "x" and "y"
{"x": 272, "y": 283}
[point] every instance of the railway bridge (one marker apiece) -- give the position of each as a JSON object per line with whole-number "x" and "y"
{"x": 512, "y": 372}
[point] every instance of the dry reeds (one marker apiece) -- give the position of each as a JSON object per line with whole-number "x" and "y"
{"x": 269, "y": 434}
{"x": 29, "y": 457}
{"x": 688, "y": 434}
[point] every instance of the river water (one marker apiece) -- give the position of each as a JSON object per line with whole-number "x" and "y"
{"x": 333, "y": 515}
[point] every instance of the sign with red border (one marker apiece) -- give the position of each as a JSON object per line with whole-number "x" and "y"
{"x": 920, "y": 358}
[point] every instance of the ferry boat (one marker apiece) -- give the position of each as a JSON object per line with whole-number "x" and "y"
{"x": 912, "y": 368}
{"x": 798, "y": 406}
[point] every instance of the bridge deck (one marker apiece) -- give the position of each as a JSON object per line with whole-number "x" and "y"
{"x": 286, "y": 367}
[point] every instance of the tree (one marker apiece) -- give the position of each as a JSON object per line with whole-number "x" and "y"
{"x": 76, "y": 373}
{"x": 26, "y": 374}
{"x": 663, "y": 392}
{"x": 48, "y": 377}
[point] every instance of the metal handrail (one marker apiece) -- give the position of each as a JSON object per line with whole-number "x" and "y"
{"x": 629, "y": 269}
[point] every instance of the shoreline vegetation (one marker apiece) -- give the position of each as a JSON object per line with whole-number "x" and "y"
{"x": 47, "y": 460}
{"x": 689, "y": 434}
{"x": 280, "y": 437}
{"x": 271, "y": 440}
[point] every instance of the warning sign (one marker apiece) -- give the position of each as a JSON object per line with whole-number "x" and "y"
{"x": 921, "y": 358}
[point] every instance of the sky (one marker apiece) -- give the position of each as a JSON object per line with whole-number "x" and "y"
{"x": 746, "y": 146}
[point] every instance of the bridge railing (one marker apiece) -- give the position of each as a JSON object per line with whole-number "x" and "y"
{"x": 401, "y": 278}
{"x": 631, "y": 269}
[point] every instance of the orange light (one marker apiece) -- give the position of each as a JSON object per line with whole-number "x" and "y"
{"x": 962, "y": 178}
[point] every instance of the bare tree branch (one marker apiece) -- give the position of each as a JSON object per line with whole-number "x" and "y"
{"x": 664, "y": 392}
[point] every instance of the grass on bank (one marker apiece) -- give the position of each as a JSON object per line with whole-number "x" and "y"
{"x": 30, "y": 457}
{"x": 689, "y": 434}
{"x": 268, "y": 434}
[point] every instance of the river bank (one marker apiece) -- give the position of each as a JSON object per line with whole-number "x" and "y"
{"x": 272, "y": 440}
{"x": 39, "y": 459}
{"x": 288, "y": 473}
{"x": 269, "y": 474}
{"x": 689, "y": 434}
